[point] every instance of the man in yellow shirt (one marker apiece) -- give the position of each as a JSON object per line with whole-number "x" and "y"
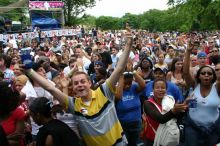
{"x": 94, "y": 109}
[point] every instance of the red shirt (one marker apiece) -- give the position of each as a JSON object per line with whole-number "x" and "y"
{"x": 9, "y": 124}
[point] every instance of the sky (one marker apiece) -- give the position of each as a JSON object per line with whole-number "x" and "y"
{"x": 117, "y": 8}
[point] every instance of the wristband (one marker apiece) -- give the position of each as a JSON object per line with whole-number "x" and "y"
{"x": 30, "y": 73}
{"x": 80, "y": 68}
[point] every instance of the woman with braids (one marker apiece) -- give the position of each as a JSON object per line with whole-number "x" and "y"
{"x": 11, "y": 115}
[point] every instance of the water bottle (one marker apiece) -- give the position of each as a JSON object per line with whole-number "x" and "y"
{"x": 26, "y": 57}
{"x": 192, "y": 101}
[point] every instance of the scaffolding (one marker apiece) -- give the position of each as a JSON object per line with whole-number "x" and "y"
{"x": 46, "y": 14}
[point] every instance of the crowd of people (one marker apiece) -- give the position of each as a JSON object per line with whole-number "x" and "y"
{"x": 110, "y": 88}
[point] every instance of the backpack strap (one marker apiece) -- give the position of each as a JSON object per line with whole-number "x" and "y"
{"x": 159, "y": 109}
{"x": 150, "y": 124}
{"x": 151, "y": 100}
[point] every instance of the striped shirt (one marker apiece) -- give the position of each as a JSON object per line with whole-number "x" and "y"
{"x": 98, "y": 122}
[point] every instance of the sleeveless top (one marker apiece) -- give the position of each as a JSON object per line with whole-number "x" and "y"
{"x": 174, "y": 80}
{"x": 206, "y": 112}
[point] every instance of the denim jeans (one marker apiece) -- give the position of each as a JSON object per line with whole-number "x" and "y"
{"x": 132, "y": 132}
{"x": 198, "y": 136}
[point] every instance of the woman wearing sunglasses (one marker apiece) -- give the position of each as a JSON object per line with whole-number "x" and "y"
{"x": 128, "y": 104}
{"x": 202, "y": 125}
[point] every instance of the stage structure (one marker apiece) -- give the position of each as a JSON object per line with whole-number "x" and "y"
{"x": 46, "y": 15}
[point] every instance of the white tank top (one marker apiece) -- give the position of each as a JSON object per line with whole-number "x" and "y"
{"x": 206, "y": 112}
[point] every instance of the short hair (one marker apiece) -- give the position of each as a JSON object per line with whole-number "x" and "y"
{"x": 9, "y": 98}
{"x": 159, "y": 79}
{"x": 41, "y": 105}
{"x": 72, "y": 61}
{"x": 78, "y": 46}
{"x": 80, "y": 73}
{"x": 199, "y": 71}
{"x": 170, "y": 47}
{"x": 6, "y": 59}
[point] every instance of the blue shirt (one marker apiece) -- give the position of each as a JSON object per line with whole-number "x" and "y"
{"x": 114, "y": 60}
{"x": 172, "y": 89}
{"x": 129, "y": 107}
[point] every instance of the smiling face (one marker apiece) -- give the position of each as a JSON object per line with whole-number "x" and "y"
{"x": 114, "y": 51}
{"x": 159, "y": 89}
{"x": 81, "y": 85}
{"x": 179, "y": 65}
{"x": 17, "y": 70}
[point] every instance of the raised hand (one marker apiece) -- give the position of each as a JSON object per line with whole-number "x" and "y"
{"x": 128, "y": 35}
{"x": 64, "y": 81}
{"x": 190, "y": 45}
{"x": 179, "y": 108}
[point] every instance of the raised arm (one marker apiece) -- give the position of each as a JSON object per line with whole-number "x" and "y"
{"x": 119, "y": 88}
{"x": 113, "y": 79}
{"x": 190, "y": 81}
{"x": 44, "y": 83}
{"x": 140, "y": 81}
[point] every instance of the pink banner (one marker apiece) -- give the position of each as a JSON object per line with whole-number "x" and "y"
{"x": 45, "y": 5}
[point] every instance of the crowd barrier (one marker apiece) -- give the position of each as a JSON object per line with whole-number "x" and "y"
{"x": 48, "y": 33}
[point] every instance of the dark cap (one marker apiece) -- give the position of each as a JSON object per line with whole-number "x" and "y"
{"x": 99, "y": 63}
{"x": 58, "y": 53}
{"x": 161, "y": 70}
{"x": 41, "y": 105}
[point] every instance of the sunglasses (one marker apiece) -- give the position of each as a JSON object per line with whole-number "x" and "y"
{"x": 214, "y": 50}
{"x": 128, "y": 73}
{"x": 208, "y": 73}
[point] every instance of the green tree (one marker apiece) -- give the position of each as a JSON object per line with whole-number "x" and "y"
{"x": 73, "y": 8}
{"x": 151, "y": 20}
{"x": 201, "y": 13}
{"x": 88, "y": 20}
{"x": 107, "y": 23}
{"x": 132, "y": 19}
{"x": 13, "y": 9}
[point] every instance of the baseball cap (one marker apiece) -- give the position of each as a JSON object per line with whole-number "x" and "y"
{"x": 99, "y": 63}
{"x": 58, "y": 53}
{"x": 161, "y": 70}
{"x": 201, "y": 54}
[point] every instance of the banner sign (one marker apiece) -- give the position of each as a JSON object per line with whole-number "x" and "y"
{"x": 45, "y": 5}
{"x": 49, "y": 33}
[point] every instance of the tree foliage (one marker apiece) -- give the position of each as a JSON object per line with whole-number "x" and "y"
{"x": 183, "y": 15}
{"x": 73, "y": 8}
{"x": 16, "y": 13}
